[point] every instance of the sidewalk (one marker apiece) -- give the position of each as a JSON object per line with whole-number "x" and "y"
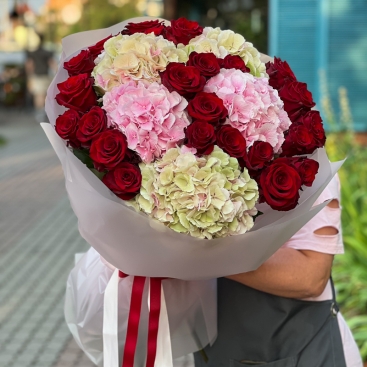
{"x": 39, "y": 238}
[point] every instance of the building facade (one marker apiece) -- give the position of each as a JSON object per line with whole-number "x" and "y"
{"x": 325, "y": 42}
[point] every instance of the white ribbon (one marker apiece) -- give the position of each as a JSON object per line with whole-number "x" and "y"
{"x": 110, "y": 322}
{"x": 164, "y": 349}
{"x": 110, "y": 328}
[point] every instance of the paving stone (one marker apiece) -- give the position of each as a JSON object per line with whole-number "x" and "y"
{"x": 69, "y": 357}
{"x": 15, "y": 345}
{"x": 39, "y": 238}
{"x": 41, "y": 364}
{"x": 25, "y": 359}
{"x": 85, "y": 364}
{"x": 61, "y": 364}
{"x": 5, "y": 359}
{"x": 47, "y": 357}
{"x": 20, "y": 336}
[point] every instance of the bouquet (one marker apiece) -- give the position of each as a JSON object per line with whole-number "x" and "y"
{"x": 184, "y": 153}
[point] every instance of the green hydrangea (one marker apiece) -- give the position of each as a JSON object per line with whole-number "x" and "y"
{"x": 206, "y": 197}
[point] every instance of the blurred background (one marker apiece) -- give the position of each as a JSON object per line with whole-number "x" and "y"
{"x": 325, "y": 43}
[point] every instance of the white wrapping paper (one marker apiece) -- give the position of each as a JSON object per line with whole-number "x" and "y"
{"x": 192, "y": 317}
{"x": 136, "y": 245}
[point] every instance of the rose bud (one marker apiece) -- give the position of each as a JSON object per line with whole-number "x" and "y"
{"x": 299, "y": 140}
{"x": 185, "y": 80}
{"x": 108, "y": 149}
{"x": 96, "y": 49}
{"x": 90, "y": 125}
{"x": 182, "y": 30}
{"x": 82, "y": 63}
{"x": 124, "y": 181}
{"x": 297, "y": 99}
{"x": 259, "y": 154}
{"x": 279, "y": 73}
{"x": 233, "y": 62}
{"x": 77, "y": 93}
{"x": 132, "y": 157}
{"x": 206, "y": 63}
{"x": 280, "y": 184}
{"x": 231, "y": 141}
{"x": 67, "y": 126}
{"x": 307, "y": 169}
{"x": 201, "y": 135}
{"x": 207, "y": 107}
{"x": 149, "y": 26}
{"x": 313, "y": 123}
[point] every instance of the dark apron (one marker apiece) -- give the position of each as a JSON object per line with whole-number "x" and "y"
{"x": 259, "y": 329}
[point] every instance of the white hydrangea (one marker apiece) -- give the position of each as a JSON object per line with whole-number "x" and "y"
{"x": 134, "y": 57}
{"x": 227, "y": 42}
{"x": 206, "y": 197}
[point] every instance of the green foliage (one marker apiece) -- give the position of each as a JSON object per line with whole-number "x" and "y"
{"x": 350, "y": 270}
{"x": 83, "y": 155}
{"x": 2, "y": 141}
{"x": 102, "y": 14}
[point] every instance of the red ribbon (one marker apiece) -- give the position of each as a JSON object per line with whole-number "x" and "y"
{"x": 134, "y": 319}
{"x": 155, "y": 309}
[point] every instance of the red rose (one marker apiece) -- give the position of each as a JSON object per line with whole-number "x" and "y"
{"x": 82, "y": 63}
{"x": 77, "y": 93}
{"x": 297, "y": 99}
{"x": 313, "y": 122}
{"x": 91, "y": 124}
{"x": 299, "y": 140}
{"x": 132, "y": 157}
{"x": 231, "y": 141}
{"x": 108, "y": 149}
{"x": 206, "y": 63}
{"x": 280, "y": 184}
{"x": 146, "y": 27}
{"x": 233, "y": 62}
{"x": 67, "y": 125}
{"x": 96, "y": 49}
{"x": 307, "y": 169}
{"x": 259, "y": 154}
{"x": 185, "y": 80}
{"x": 201, "y": 135}
{"x": 182, "y": 30}
{"x": 279, "y": 73}
{"x": 207, "y": 107}
{"x": 124, "y": 181}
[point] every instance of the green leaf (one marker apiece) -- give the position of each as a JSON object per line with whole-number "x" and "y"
{"x": 83, "y": 155}
{"x": 97, "y": 173}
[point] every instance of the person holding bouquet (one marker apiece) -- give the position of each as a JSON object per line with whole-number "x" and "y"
{"x": 188, "y": 158}
{"x": 284, "y": 314}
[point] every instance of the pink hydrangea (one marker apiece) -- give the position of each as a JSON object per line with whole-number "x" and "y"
{"x": 152, "y": 118}
{"x": 254, "y": 107}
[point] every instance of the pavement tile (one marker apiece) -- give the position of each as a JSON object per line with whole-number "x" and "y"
{"x": 69, "y": 357}
{"x": 24, "y": 359}
{"x": 47, "y": 357}
{"x": 15, "y": 345}
{"x": 5, "y": 359}
{"x": 61, "y": 364}
{"x": 38, "y": 243}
